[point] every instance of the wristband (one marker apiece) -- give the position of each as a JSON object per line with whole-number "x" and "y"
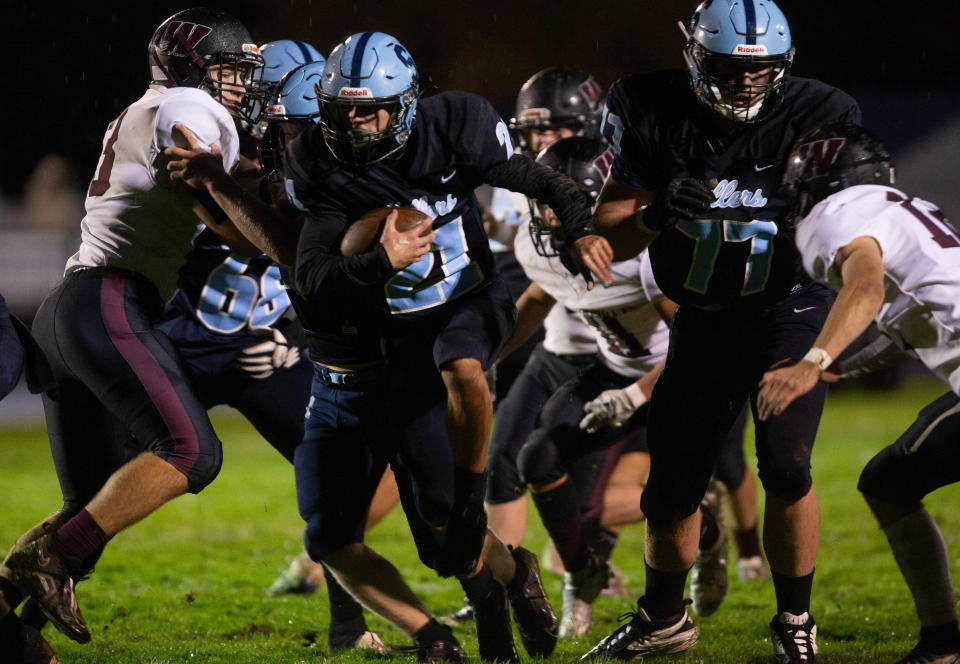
{"x": 819, "y": 357}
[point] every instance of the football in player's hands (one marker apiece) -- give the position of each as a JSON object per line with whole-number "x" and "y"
{"x": 362, "y": 234}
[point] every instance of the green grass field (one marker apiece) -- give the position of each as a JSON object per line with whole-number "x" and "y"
{"x": 187, "y": 584}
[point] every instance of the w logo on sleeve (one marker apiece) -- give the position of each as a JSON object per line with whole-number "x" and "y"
{"x": 181, "y": 38}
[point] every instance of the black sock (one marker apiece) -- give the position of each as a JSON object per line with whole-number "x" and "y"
{"x": 431, "y": 633}
{"x": 345, "y": 611}
{"x": 9, "y": 628}
{"x": 941, "y": 639}
{"x": 793, "y": 592}
{"x": 560, "y": 512}
{"x": 10, "y": 595}
{"x": 663, "y": 597}
{"x": 709, "y": 529}
{"x": 602, "y": 542}
{"x": 748, "y": 542}
{"x": 31, "y": 614}
{"x": 479, "y": 586}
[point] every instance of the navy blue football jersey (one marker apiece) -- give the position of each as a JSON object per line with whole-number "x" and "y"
{"x": 456, "y": 138}
{"x": 739, "y": 251}
{"x": 11, "y": 352}
{"x": 222, "y": 299}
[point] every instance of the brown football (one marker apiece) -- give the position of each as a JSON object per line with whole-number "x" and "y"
{"x": 362, "y": 233}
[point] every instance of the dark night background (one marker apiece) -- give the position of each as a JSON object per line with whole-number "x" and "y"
{"x": 71, "y": 68}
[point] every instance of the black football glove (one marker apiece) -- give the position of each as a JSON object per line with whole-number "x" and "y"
{"x": 682, "y": 198}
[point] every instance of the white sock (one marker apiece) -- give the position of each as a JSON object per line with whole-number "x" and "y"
{"x": 921, "y": 554}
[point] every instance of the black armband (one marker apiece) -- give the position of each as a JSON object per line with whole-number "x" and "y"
{"x": 879, "y": 353}
{"x": 571, "y": 204}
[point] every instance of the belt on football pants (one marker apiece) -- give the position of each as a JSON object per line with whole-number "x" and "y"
{"x": 348, "y": 378}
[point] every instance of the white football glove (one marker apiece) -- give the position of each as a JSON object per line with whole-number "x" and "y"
{"x": 612, "y": 408}
{"x": 262, "y": 359}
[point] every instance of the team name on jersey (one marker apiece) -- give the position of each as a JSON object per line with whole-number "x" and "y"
{"x": 729, "y": 197}
{"x": 438, "y": 209}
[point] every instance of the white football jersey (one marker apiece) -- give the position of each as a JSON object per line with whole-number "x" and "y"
{"x": 136, "y": 218}
{"x": 567, "y": 334}
{"x": 631, "y": 336}
{"x": 921, "y": 261}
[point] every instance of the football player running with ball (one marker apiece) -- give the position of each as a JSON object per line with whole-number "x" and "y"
{"x": 696, "y": 177}
{"x": 446, "y": 313}
{"x": 896, "y": 260}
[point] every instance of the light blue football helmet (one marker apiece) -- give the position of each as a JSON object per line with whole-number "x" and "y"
{"x": 727, "y": 40}
{"x": 368, "y": 73}
{"x": 294, "y": 107}
{"x": 283, "y": 55}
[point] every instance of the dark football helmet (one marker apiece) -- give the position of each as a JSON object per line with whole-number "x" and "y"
{"x": 830, "y": 159}
{"x": 727, "y": 40}
{"x": 558, "y": 96}
{"x": 587, "y": 162}
{"x": 209, "y": 49}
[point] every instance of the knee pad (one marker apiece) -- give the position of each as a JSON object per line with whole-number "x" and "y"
{"x": 320, "y": 539}
{"x": 878, "y": 478}
{"x": 206, "y": 466}
{"x": 539, "y": 460}
{"x": 667, "y": 506}
{"x": 787, "y": 479}
{"x": 503, "y": 478}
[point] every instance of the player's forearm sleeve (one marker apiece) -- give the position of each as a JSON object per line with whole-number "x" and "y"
{"x": 320, "y": 269}
{"x": 11, "y": 352}
{"x": 570, "y": 204}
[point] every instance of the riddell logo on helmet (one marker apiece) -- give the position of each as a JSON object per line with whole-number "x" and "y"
{"x": 181, "y": 37}
{"x": 250, "y": 48}
{"x": 355, "y": 92}
{"x": 750, "y": 49}
{"x": 535, "y": 114}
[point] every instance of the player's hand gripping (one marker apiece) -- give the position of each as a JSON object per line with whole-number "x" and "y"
{"x": 682, "y": 198}
{"x": 262, "y": 359}
{"x": 404, "y": 247}
{"x": 612, "y": 408}
{"x": 594, "y": 255}
{"x": 194, "y": 165}
{"x": 786, "y": 381}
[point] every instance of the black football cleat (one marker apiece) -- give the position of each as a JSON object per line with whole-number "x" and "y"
{"x": 494, "y": 630}
{"x": 446, "y": 649}
{"x": 536, "y": 620}
{"x": 42, "y": 573}
{"x": 922, "y": 654}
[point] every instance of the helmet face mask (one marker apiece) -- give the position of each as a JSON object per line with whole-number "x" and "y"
{"x": 368, "y": 99}
{"x": 831, "y": 159}
{"x": 587, "y": 162}
{"x": 209, "y": 49}
{"x": 739, "y": 53}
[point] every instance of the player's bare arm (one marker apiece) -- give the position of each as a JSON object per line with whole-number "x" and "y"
{"x": 616, "y": 208}
{"x": 861, "y": 267}
{"x": 252, "y": 226}
{"x": 532, "y": 309}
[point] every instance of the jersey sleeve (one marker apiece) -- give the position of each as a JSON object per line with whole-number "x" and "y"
{"x": 207, "y": 120}
{"x": 620, "y": 126}
{"x": 476, "y": 132}
{"x": 823, "y": 233}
